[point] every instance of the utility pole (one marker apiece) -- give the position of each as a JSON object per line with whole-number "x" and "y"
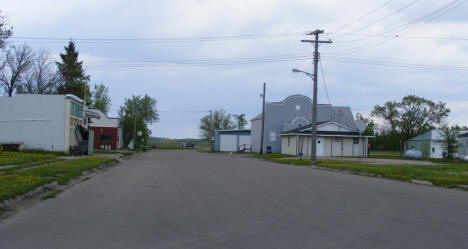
{"x": 211, "y": 130}
{"x": 134, "y": 131}
{"x": 263, "y": 119}
{"x": 313, "y": 154}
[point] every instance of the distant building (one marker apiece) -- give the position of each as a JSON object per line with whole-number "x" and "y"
{"x": 45, "y": 122}
{"x": 107, "y": 131}
{"x": 290, "y": 119}
{"x": 463, "y": 144}
{"x": 431, "y": 143}
{"x": 232, "y": 140}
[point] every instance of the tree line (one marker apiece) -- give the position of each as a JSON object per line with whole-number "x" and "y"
{"x": 23, "y": 70}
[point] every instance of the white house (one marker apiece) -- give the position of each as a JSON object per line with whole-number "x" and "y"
{"x": 431, "y": 143}
{"x": 333, "y": 140}
{"x": 45, "y": 122}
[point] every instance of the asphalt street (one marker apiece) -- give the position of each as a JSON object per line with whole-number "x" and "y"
{"x": 188, "y": 199}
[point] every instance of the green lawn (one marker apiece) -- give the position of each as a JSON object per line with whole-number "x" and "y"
{"x": 17, "y": 183}
{"x": 14, "y": 158}
{"x": 449, "y": 174}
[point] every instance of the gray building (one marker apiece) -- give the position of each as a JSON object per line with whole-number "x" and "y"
{"x": 293, "y": 112}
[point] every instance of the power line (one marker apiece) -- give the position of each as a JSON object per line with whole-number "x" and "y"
{"x": 394, "y": 64}
{"x": 386, "y": 17}
{"x": 402, "y": 36}
{"x": 159, "y": 39}
{"x": 362, "y": 17}
{"x": 323, "y": 80}
{"x": 430, "y": 16}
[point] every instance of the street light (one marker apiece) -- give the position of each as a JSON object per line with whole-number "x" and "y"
{"x": 313, "y": 152}
{"x": 294, "y": 70}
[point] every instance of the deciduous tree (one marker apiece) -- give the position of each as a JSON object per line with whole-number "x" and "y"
{"x": 100, "y": 98}
{"x": 219, "y": 121}
{"x": 411, "y": 116}
{"x": 143, "y": 111}
{"x": 17, "y": 62}
{"x": 240, "y": 120}
{"x": 41, "y": 78}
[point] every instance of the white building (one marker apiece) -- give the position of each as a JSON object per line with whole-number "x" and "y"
{"x": 431, "y": 144}
{"x": 44, "y": 122}
{"x": 333, "y": 140}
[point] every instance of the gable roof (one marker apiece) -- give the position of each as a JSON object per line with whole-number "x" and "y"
{"x": 305, "y": 130}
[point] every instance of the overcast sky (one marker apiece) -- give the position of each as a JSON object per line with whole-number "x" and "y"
{"x": 217, "y": 54}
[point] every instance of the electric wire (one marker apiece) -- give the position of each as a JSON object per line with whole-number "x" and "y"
{"x": 362, "y": 17}
{"x": 323, "y": 80}
{"x": 430, "y": 16}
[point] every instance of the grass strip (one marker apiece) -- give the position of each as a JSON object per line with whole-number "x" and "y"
{"x": 13, "y": 184}
{"x": 29, "y": 165}
{"x": 14, "y": 158}
{"x": 452, "y": 174}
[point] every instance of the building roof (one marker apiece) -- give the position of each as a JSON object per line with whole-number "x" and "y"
{"x": 305, "y": 130}
{"x": 325, "y": 112}
{"x": 233, "y": 130}
{"x": 435, "y": 135}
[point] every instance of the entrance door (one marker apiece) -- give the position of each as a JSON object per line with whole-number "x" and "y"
{"x": 320, "y": 142}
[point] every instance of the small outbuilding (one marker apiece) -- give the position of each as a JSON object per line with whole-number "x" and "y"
{"x": 232, "y": 140}
{"x": 431, "y": 144}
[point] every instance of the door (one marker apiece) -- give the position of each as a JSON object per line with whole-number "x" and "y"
{"x": 337, "y": 146}
{"x": 320, "y": 142}
{"x": 228, "y": 143}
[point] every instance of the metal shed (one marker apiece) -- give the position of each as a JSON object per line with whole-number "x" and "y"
{"x": 232, "y": 140}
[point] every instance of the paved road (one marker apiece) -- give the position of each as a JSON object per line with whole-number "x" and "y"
{"x": 186, "y": 199}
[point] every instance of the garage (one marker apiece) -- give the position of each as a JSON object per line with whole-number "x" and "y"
{"x": 232, "y": 140}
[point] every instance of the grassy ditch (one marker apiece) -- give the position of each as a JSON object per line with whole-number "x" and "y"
{"x": 13, "y": 184}
{"x": 451, "y": 174}
{"x": 14, "y": 158}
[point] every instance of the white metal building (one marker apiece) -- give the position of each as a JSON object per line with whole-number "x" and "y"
{"x": 40, "y": 121}
{"x": 333, "y": 140}
{"x": 232, "y": 140}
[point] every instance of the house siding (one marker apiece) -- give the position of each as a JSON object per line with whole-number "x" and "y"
{"x": 38, "y": 121}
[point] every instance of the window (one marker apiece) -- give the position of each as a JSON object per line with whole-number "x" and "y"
{"x": 76, "y": 110}
{"x": 105, "y": 138}
{"x": 288, "y": 140}
{"x": 433, "y": 149}
{"x": 356, "y": 140}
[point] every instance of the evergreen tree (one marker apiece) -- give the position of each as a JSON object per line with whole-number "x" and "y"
{"x": 73, "y": 77}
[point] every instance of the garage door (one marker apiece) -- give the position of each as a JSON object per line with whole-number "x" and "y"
{"x": 228, "y": 143}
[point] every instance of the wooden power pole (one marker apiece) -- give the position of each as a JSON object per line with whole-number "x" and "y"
{"x": 313, "y": 154}
{"x": 263, "y": 119}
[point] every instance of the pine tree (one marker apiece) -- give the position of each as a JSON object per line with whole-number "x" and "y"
{"x": 73, "y": 77}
